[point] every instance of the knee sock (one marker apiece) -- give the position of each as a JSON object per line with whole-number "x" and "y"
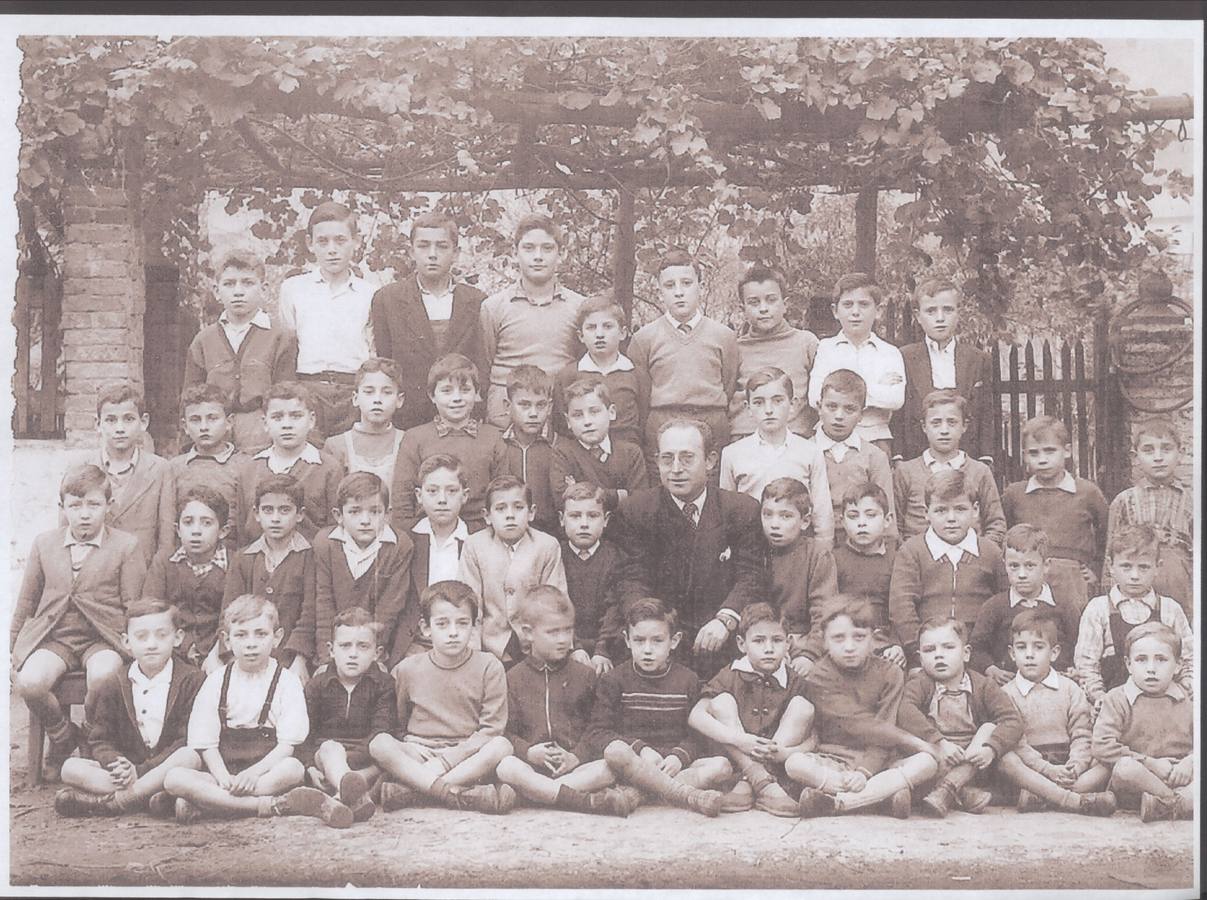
{"x": 442, "y": 793}
{"x": 649, "y": 778}
{"x": 880, "y": 787}
{"x": 757, "y": 775}
{"x": 959, "y": 776}
{"x": 58, "y": 730}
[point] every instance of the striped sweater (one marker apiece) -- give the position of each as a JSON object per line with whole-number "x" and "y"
{"x": 645, "y": 711}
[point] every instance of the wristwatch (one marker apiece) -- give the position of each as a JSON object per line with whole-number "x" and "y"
{"x": 729, "y": 621}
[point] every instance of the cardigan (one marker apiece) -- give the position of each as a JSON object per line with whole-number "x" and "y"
{"x": 789, "y": 349}
{"x": 624, "y": 469}
{"x": 909, "y": 483}
{"x": 646, "y": 710}
{"x": 146, "y": 504}
{"x": 320, "y": 484}
{"x": 696, "y": 369}
{"x": 532, "y": 465}
{"x": 198, "y": 600}
{"x": 549, "y": 702}
{"x": 290, "y": 586}
{"x": 858, "y": 467}
{"x": 989, "y": 703}
{"x": 482, "y": 457}
{"x": 973, "y": 383}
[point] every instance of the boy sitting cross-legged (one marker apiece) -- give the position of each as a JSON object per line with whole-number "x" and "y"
{"x": 1052, "y": 766}
{"x": 965, "y": 714}
{"x": 131, "y": 745}
{"x": 246, "y": 721}
{"x": 864, "y": 561}
{"x": 550, "y": 696}
{"x": 639, "y": 722}
{"x": 69, "y": 611}
{"x": 349, "y": 703}
{"x": 756, "y": 709}
{"x": 452, "y": 708}
{"x": 593, "y": 565}
{"x": 854, "y": 696}
{"x": 1145, "y": 731}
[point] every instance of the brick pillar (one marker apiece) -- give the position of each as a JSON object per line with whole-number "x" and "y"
{"x": 103, "y": 301}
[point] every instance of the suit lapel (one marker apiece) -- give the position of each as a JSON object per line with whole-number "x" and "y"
{"x": 138, "y": 484}
{"x": 419, "y": 562}
{"x": 924, "y": 365}
{"x": 127, "y": 690}
{"x": 414, "y": 315}
{"x": 965, "y": 376}
{"x": 462, "y": 318}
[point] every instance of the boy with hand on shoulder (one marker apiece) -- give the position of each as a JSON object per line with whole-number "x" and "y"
{"x": 639, "y": 723}
{"x": 68, "y": 615}
{"x": 593, "y": 455}
{"x": 530, "y": 439}
{"x": 767, "y": 340}
{"x": 212, "y": 461}
{"x": 857, "y": 347}
{"x": 1107, "y": 620}
{"x": 242, "y": 354}
{"x": 1162, "y": 501}
{"x": 506, "y": 559}
{"x": 948, "y": 571}
{"x": 1072, "y": 511}
{"x": 863, "y": 562}
{"x": 550, "y": 696}
{"x": 1025, "y": 556}
{"x": 452, "y": 386}
{"x": 192, "y": 579}
{"x": 593, "y": 567}
{"x": 751, "y": 463}
{"x": 756, "y": 709}
{"x": 127, "y": 754}
{"x": 601, "y": 327}
{"x": 289, "y": 417}
{"x": 943, "y": 422}
{"x": 349, "y": 703}
{"x": 854, "y": 696}
{"x": 849, "y": 459}
{"x": 360, "y": 562}
{"x": 452, "y": 708}
{"x": 966, "y": 715}
{"x": 1052, "y": 765}
{"x": 371, "y": 444}
{"x": 1145, "y": 731}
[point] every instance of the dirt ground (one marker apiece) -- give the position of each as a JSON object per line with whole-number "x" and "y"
{"x": 654, "y": 848}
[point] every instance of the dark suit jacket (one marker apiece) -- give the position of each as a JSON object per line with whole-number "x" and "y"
{"x": 698, "y": 570}
{"x": 973, "y": 382}
{"x": 402, "y": 332}
{"x": 112, "y": 726}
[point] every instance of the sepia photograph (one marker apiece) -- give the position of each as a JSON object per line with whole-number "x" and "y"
{"x": 479, "y": 454}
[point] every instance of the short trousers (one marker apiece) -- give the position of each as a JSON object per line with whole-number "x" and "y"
{"x": 357, "y": 752}
{"x": 829, "y": 760}
{"x": 75, "y": 654}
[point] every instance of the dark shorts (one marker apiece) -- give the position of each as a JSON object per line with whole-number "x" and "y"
{"x": 357, "y": 752}
{"x": 75, "y": 654}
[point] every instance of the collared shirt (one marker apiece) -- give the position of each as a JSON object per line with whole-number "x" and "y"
{"x": 273, "y": 558}
{"x": 1067, "y": 484}
{"x": 200, "y": 569}
{"x": 443, "y": 557}
{"x": 951, "y": 708}
{"x": 150, "y": 700}
{"x": 331, "y": 322}
{"x": 236, "y": 333}
{"x": 444, "y": 428}
{"x": 79, "y": 550}
{"x": 118, "y": 478}
{"x": 1133, "y": 610}
{"x": 602, "y": 450}
{"x": 1024, "y": 685}
{"x": 874, "y": 360}
{"x": 691, "y": 323}
{"x": 743, "y": 664}
{"x": 545, "y": 434}
{"x": 837, "y": 449}
{"x": 360, "y": 559}
{"x": 279, "y": 466}
{"x": 1132, "y": 691}
{"x": 585, "y": 553}
{"x": 518, "y": 293}
{"x": 1044, "y": 596}
{"x": 439, "y": 306}
{"x": 954, "y": 552}
{"x": 621, "y": 364}
{"x": 942, "y": 364}
{"x": 244, "y": 700}
{"x": 221, "y": 457}
{"x": 935, "y": 465}
{"x": 698, "y": 501}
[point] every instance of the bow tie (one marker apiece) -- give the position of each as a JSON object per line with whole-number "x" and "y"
{"x": 444, "y": 429}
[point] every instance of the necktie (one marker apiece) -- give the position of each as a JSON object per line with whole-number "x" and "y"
{"x": 584, "y": 555}
{"x": 685, "y": 328}
{"x": 600, "y": 454}
{"x": 690, "y": 510}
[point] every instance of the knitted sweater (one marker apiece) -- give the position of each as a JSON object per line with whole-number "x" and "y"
{"x": 789, "y": 349}
{"x": 516, "y": 332}
{"x": 1052, "y": 717}
{"x": 624, "y": 469}
{"x": 482, "y": 457}
{"x": 696, "y": 369}
{"x": 803, "y": 579}
{"x": 451, "y": 703}
{"x": 593, "y": 587}
{"x": 909, "y": 482}
{"x": 990, "y": 638}
{"x": 846, "y": 700}
{"x": 645, "y": 711}
{"x": 626, "y": 392}
{"x": 868, "y": 463}
{"x": 1139, "y": 725}
{"x": 1074, "y": 523}
{"x": 549, "y": 703}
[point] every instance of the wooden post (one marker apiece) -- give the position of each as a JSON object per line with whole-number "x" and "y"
{"x": 865, "y": 230}
{"x": 624, "y": 259}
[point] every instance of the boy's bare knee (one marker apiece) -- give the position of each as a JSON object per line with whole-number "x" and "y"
{"x": 617, "y": 752}
{"x": 498, "y": 747}
{"x": 1128, "y": 768}
{"x": 186, "y": 758}
{"x": 509, "y": 767}
{"x": 291, "y": 767}
{"x": 177, "y": 780}
{"x": 100, "y": 666}
{"x": 381, "y": 744}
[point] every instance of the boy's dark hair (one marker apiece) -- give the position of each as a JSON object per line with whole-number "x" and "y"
{"x": 1158, "y": 630}
{"x": 457, "y": 593}
{"x": 947, "y": 484}
{"x": 590, "y": 383}
{"x": 586, "y": 490}
{"x": 936, "y": 622}
{"x": 928, "y": 287}
{"x": 453, "y": 366}
{"x": 123, "y": 392}
{"x": 543, "y": 601}
{"x": 1026, "y": 538}
{"x": 330, "y": 211}
{"x": 846, "y": 381}
{"x": 281, "y": 484}
{"x": 79, "y": 480}
{"x": 677, "y": 257}
{"x": 1158, "y": 427}
{"x": 757, "y": 274}
{"x": 206, "y": 495}
{"x": 858, "y": 609}
{"x": 650, "y": 609}
{"x": 1036, "y": 621}
{"x": 754, "y": 613}
{"x": 356, "y": 617}
{"x": 532, "y": 379}
{"x": 438, "y": 461}
{"x": 506, "y": 483}
{"x": 942, "y": 397}
{"x": 869, "y": 490}
{"x": 358, "y": 486}
{"x": 386, "y": 367}
{"x": 204, "y": 392}
{"x": 768, "y": 375}
{"x": 151, "y": 606}
{"x": 702, "y": 427}
{"x": 789, "y": 490}
{"x": 1135, "y": 540}
{"x": 288, "y": 390}
{"x": 241, "y": 259}
{"x": 1039, "y": 427}
{"x": 249, "y": 606}
{"x": 436, "y": 219}
{"x": 600, "y": 303}
{"x": 537, "y": 222}
{"x": 854, "y": 281}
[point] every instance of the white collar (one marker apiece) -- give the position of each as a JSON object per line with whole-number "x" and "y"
{"x": 423, "y": 292}
{"x": 69, "y": 541}
{"x": 128, "y": 469}
{"x": 763, "y": 442}
{"x": 424, "y": 526}
{"x": 221, "y": 458}
{"x": 1151, "y": 600}
{"x": 873, "y": 341}
{"x": 742, "y": 664}
{"x": 590, "y": 551}
{"x": 1024, "y": 685}
{"x": 297, "y": 544}
{"x": 956, "y": 462}
{"x": 1132, "y": 691}
{"x": 605, "y": 445}
{"x": 1045, "y": 596}
{"x": 939, "y": 547}
{"x": 1067, "y": 484}
{"x": 137, "y": 676}
{"x": 351, "y": 283}
{"x": 622, "y": 364}
{"x": 385, "y": 536}
{"x": 825, "y": 442}
{"x": 260, "y": 320}
{"x": 691, "y": 323}
{"x": 699, "y": 501}
{"x": 964, "y": 687}
{"x": 935, "y": 349}
{"x": 310, "y": 454}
